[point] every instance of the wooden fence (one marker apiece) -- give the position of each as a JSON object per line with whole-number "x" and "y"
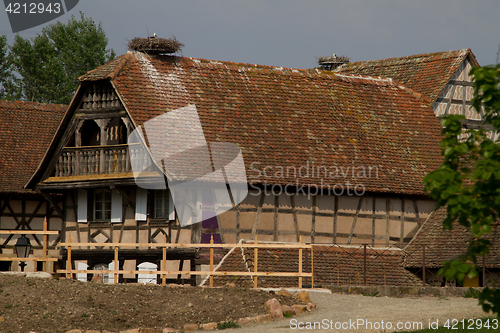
{"x": 43, "y": 232}
{"x": 163, "y": 272}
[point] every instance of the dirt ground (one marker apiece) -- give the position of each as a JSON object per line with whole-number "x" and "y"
{"x": 50, "y": 305}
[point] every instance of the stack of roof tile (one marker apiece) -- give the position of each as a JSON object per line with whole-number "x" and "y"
{"x": 333, "y": 265}
{"x": 441, "y": 245}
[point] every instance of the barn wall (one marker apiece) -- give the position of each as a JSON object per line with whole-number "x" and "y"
{"x": 325, "y": 219}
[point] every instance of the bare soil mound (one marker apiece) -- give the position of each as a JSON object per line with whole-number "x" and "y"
{"x": 50, "y": 305}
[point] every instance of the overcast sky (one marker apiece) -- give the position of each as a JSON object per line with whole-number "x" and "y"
{"x": 292, "y": 33}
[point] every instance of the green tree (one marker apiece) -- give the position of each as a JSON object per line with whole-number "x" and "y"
{"x": 8, "y": 89}
{"x": 49, "y": 64}
{"x": 468, "y": 181}
{"x": 4, "y": 66}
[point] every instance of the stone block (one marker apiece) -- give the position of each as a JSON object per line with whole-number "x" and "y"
{"x": 310, "y": 306}
{"x": 299, "y": 308}
{"x": 209, "y": 326}
{"x": 288, "y": 310}
{"x": 43, "y": 275}
{"x": 303, "y": 296}
{"x": 170, "y": 330}
{"x": 284, "y": 292}
{"x": 190, "y": 327}
{"x": 273, "y": 307}
{"x": 263, "y": 318}
{"x": 246, "y": 320}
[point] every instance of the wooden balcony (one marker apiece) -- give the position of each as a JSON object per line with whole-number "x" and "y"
{"x": 95, "y": 160}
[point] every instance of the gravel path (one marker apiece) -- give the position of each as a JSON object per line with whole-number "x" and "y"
{"x": 381, "y": 312}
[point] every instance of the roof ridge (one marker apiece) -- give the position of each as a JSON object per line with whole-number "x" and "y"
{"x": 29, "y": 103}
{"x": 118, "y": 69}
{"x": 369, "y": 79}
{"x": 244, "y": 64}
{"x": 412, "y": 92}
{"x": 422, "y": 55}
{"x": 119, "y": 63}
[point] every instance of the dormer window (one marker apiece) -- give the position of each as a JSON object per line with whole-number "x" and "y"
{"x": 90, "y": 134}
{"x": 116, "y": 132}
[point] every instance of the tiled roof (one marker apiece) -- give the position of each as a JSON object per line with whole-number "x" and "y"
{"x": 26, "y": 130}
{"x": 333, "y": 265}
{"x": 441, "y": 245}
{"x": 107, "y": 71}
{"x": 288, "y": 117}
{"x": 427, "y": 74}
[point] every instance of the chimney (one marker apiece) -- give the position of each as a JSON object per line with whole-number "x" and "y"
{"x": 333, "y": 62}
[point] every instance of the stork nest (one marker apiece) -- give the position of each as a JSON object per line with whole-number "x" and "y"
{"x": 155, "y": 45}
{"x": 338, "y": 59}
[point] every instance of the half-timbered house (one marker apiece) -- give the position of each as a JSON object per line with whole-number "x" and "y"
{"x": 26, "y": 130}
{"x": 441, "y": 77}
{"x": 330, "y": 157}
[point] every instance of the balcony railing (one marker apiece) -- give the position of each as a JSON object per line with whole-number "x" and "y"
{"x": 77, "y": 161}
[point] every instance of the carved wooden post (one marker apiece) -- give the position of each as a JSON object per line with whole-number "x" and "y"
{"x": 103, "y": 123}
{"x": 76, "y": 163}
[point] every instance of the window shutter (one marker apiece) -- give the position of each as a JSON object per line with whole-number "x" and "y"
{"x": 141, "y": 204}
{"x": 82, "y": 206}
{"x": 171, "y": 208}
{"x": 116, "y": 207}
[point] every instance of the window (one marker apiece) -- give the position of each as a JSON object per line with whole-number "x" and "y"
{"x": 102, "y": 205}
{"x": 161, "y": 204}
{"x": 99, "y": 205}
{"x": 158, "y": 205}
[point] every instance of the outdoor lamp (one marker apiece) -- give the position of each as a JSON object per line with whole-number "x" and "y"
{"x": 23, "y": 247}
